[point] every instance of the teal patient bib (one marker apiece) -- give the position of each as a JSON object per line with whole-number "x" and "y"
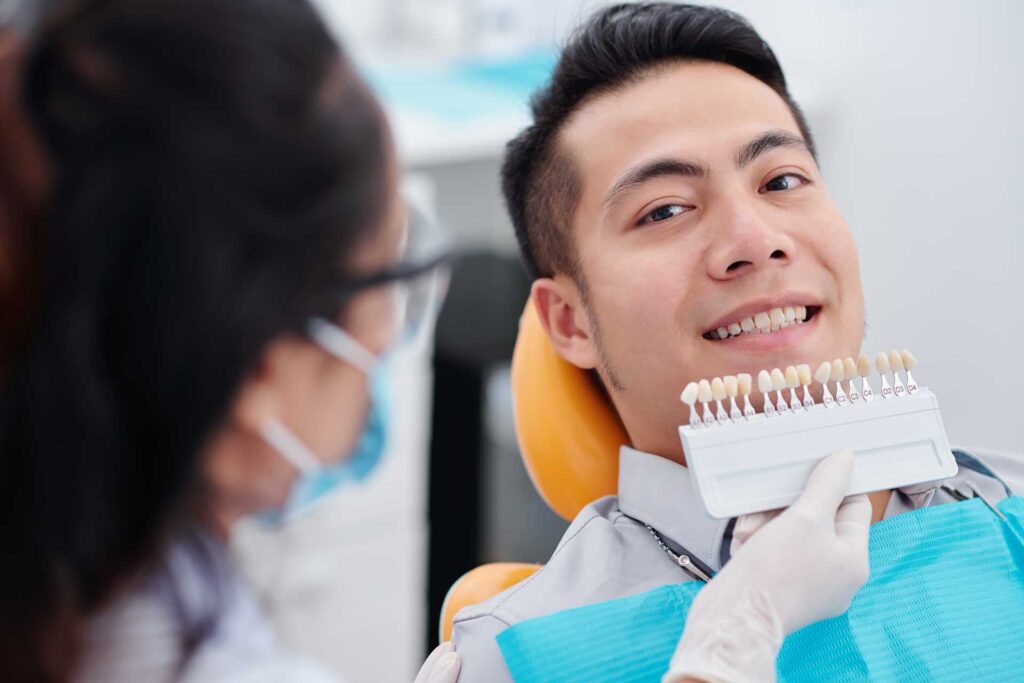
{"x": 945, "y": 602}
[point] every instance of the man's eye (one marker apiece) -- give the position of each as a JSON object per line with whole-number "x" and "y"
{"x": 663, "y": 213}
{"x": 786, "y": 181}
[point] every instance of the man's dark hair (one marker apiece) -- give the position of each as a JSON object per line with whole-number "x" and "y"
{"x": 618, "y": 45}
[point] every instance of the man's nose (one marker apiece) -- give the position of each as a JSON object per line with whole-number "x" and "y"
{"x": 744, "y": 241}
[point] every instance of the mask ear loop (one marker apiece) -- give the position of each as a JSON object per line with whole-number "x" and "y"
{"x": 288, "y": 445}
{"x": 341, "y": 344}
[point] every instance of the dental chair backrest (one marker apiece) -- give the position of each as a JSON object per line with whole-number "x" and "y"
{"x": 569, "y": 437}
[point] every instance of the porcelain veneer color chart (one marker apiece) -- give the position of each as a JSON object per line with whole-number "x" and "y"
{"x": 746, "y": 461}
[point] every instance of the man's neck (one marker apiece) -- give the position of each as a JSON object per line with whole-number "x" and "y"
{"x": 879, "y": 502}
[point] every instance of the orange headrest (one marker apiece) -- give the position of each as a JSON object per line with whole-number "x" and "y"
{"x": 478, "y": 585}
{"x": 569, "y": 434}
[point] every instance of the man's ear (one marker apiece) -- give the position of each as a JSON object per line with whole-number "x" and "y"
{"x": 568, "y": 325}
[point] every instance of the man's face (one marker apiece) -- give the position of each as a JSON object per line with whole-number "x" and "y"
{"x": 700, "y": 208}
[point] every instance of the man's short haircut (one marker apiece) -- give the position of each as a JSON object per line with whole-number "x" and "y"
{"x": 616, "y": 46}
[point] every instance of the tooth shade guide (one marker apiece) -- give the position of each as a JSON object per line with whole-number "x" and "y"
{"x": 837, "y": 376}
{"x": 909, "y": 362}
{"x": 718, "y": 393}
{"x": 895, "y": 361}
{"x": 745, "y": 382}
{"x": 895, "y": 443}
{"x": 689, "y": 397}
{"x": 849, "y": 373}
{"x": 748, "y": 410}
{"x": 852, "y": 391}
{"x": 824, "y": 373}
{"x": 764, "y": 383}
{"x": 718, "y": 389}
{"x": 866, "y": 391}
{"x": 704, "y": 396}
{"x": 882, "y": 364}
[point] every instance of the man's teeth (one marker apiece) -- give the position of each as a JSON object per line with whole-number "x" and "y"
{"x": 766, "y": 321}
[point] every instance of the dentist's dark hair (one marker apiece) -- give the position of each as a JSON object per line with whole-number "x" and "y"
{"x": 213, "y": 163}
{"x": 617, "y": 46}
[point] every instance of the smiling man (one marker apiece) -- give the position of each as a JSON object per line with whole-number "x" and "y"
{"x": 671, "y": 213}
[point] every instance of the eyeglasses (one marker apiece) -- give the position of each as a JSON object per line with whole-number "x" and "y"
{"x": 416, "y": 285}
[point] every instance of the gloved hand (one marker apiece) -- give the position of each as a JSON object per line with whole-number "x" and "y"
{"x": 790, "y": 569}
{"x": 442, "y": 666}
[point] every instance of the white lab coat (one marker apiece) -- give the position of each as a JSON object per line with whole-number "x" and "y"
{"x": 191, "y": 618}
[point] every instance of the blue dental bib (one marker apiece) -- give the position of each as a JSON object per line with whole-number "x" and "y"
{"x": 945, "y": 602}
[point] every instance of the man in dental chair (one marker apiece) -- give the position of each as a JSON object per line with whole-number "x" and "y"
{"x": 667, "y": 189}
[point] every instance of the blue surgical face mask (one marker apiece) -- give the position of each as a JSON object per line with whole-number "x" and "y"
{"x": 316, "y": 479}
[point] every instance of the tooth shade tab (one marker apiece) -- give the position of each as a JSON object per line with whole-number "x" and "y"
{"x": 778, "y": 380}
{"x": 804, "y": 372}
{"x": 689, "y": 395}
{"x": 764, "y": 382}
{"x": 718, "y": 389}
{"x": 746, "y": 383}
{"x": 882, "y": 363}
{"x": 837, "y": 370}
{"x": 849, "y": 368}
{"x": 704, "y": 391}
{"x": 895, "y": 361}
{"x": 823, "y": 373}
{"x": 863, "y": 366}
{"x": 731, "y": 385}
{"x": 792, "y": 378}
{"x": 909, "y": 362}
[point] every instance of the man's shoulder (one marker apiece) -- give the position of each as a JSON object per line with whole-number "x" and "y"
{"x": 603, "y": 555}
{"x": 1009, "y": 467}
{"x": 598, "y": 525}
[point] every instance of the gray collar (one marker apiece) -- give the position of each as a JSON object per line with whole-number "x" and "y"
{"x": 660, "y": 492}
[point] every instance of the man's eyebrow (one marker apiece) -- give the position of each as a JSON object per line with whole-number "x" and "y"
{"x": 654, "y": 169}
{"x": 766, "y": 141}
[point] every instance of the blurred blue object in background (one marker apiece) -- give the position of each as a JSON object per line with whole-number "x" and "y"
{"x": 466, "y": 90}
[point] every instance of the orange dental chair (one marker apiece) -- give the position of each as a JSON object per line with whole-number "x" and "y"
{"x": 569, "y": 437}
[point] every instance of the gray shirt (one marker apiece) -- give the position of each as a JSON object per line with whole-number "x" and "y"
{"x": 608, "y": 552}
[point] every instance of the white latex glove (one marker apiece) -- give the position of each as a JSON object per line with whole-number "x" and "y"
{"x": 791, "y": 569}
{"x": 442, "y": 666}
